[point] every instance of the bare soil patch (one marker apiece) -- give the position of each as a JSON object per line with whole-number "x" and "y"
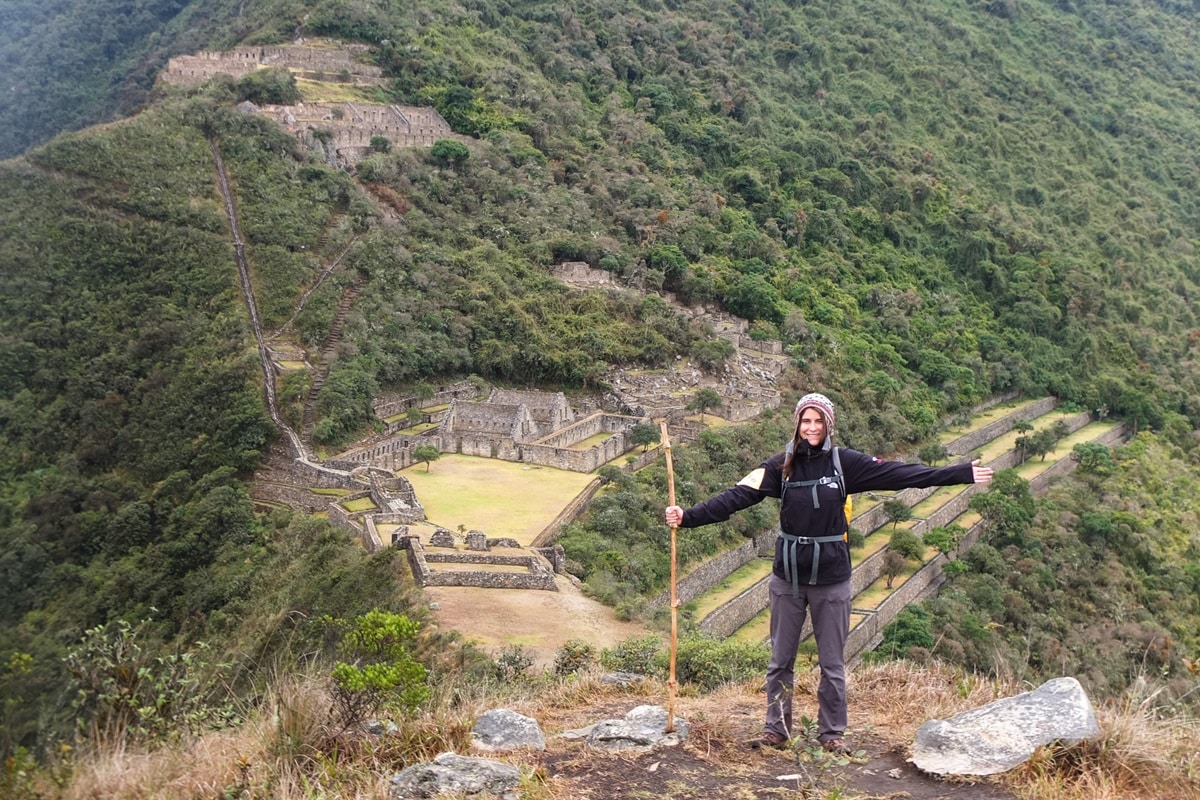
{"x": 540, "y": 621}
{"x": 713, "y": 762}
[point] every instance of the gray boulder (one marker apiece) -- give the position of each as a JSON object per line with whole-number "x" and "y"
{"x": 623, "y": 679}
{"x": 1003, "y": 734}
{"x": 641, "y": 730}
{"x": 450, "y": 773}
{"x": 500, "y": 729}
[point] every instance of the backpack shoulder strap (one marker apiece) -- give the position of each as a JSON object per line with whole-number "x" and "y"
{"x": 837, "y": 470}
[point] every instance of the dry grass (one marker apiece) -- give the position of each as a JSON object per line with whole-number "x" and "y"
{"x": 288, "y": 750}
{"x": 1140, "y": 755}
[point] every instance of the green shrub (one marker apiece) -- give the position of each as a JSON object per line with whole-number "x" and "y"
{"x": 573, "y": 656}
{"x": 709, "y": 663}
{"x": 381, "y": 670}
{"x": 122, "y": 692}
{"x": 637, "y": 655}
{"x": 514, "y": 661}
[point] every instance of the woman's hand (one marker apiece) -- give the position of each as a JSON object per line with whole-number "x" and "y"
{"x": 980, "y": 474}
{"x": 674, "y": 516}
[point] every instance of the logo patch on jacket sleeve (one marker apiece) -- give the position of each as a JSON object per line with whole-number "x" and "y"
{"x": 754, "y": 479}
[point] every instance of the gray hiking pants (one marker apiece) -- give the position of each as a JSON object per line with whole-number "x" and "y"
{"x": 830, "y": 607}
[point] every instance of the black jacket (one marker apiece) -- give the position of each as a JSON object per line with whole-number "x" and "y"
{"x": 797, "y": 514}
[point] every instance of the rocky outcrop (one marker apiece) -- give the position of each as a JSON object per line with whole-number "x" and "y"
{"x": 1004, "y": 734}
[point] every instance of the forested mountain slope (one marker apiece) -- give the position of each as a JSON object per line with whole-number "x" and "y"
{"x": 930, "y": 204}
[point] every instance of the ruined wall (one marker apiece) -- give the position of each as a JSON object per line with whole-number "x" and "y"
{"x": 296, "y": 497}
{"x": 337, "y": 64}
{"x": 396, "y": 497}
{"x": 550, "y": 410}
{"x": 578, "y": 273}
{"x": 539, "y": 576}
{"x": 462, "y": 390}
{"x": 968, "y": 442}
{"x": 394, "y": 454}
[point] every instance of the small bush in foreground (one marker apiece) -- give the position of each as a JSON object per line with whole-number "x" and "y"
{"x": 709, "y": 663}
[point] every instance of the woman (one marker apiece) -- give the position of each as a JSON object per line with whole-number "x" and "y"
{"x": 812, "y": 569}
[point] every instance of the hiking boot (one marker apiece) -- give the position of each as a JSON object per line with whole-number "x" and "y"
{"x": 767, "y": 739}
{"x": 836, "y": 746}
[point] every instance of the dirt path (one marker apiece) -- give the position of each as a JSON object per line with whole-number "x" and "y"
{"x": 537, "y": 620}
{"x": 713, "y": 762}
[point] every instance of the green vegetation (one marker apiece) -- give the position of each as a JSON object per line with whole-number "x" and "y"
{"x": 1041, "y": 595}
{"x": 381, "y": 671}
{"x": 929, "y": 205}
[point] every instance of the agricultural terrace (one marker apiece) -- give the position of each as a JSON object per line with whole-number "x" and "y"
{"x": 1062, "y": 449}
{"x": 983, "y": 418}
{"x": 500, "y": 498}
{"x": 1002, "y": 444}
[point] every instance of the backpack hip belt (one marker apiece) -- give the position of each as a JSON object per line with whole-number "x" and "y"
{"x": 791, "y": 569}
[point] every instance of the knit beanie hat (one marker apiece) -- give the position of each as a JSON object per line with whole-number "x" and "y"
{"x": 819, "y": 402}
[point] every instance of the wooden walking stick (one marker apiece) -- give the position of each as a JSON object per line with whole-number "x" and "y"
{"x": 666, "y": 443}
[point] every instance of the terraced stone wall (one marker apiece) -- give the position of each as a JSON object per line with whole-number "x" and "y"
{"x": 539, "y": 576}
{"x": 970, "y": 441}
{"x": 713, "y": 572}
{"x": 727, "y": 619}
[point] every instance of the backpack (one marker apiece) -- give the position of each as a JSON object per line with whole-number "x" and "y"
{"x": 791, "y": 566}
{"x": 847, "y": 500}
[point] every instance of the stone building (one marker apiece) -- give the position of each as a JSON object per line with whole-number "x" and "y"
{"x": 313, "y": 61}
{"x": 550, "y": 411}
{"x": 492, "y": 430}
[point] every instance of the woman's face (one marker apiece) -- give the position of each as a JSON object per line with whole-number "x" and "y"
{"x": 812, "y": 427}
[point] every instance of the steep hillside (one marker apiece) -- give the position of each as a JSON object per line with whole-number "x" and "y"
{"x": 929, "y": 204}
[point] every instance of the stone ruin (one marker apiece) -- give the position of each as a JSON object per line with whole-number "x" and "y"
{"x": 317, "y": 60}
{"x": 341, "y": 131}
{"x": 580, "y": 275}
{"x": 344, "y": 130}
{"x": 533, "y": 428}
{"x": 469, "y": 567}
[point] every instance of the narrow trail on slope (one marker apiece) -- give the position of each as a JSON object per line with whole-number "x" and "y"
{"x": 328, "y": 353}
{"x": 325, "y": 273}
{"x": 239, "y": 254}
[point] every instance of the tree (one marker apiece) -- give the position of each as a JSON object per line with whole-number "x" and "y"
{"x": 931, "y": 454}
{"x": 645, "y": 434}
{"x": 425, "y": 454}
{"x": 710, "y": 354}
{"x": 381, "y": 144}
{"x": 1041, "y": 443}
{"x": 705, "y": 399}
{"x": 1008, "y": 506}
{"x": 449, "y": 152}
{"x": 1093, "y": 458}
{"x": 1023, "y": 427}
{"x": 893, "y": 565}
{"x": 944, "y": 538}
{"x": 896, "y": 511}
{"x": 910, "y": 628}
{"x": 270, "y": 86}
{"x": 907, "y": 544}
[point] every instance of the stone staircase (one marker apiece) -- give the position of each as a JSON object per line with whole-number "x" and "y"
{"x": 329, "y": 353}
